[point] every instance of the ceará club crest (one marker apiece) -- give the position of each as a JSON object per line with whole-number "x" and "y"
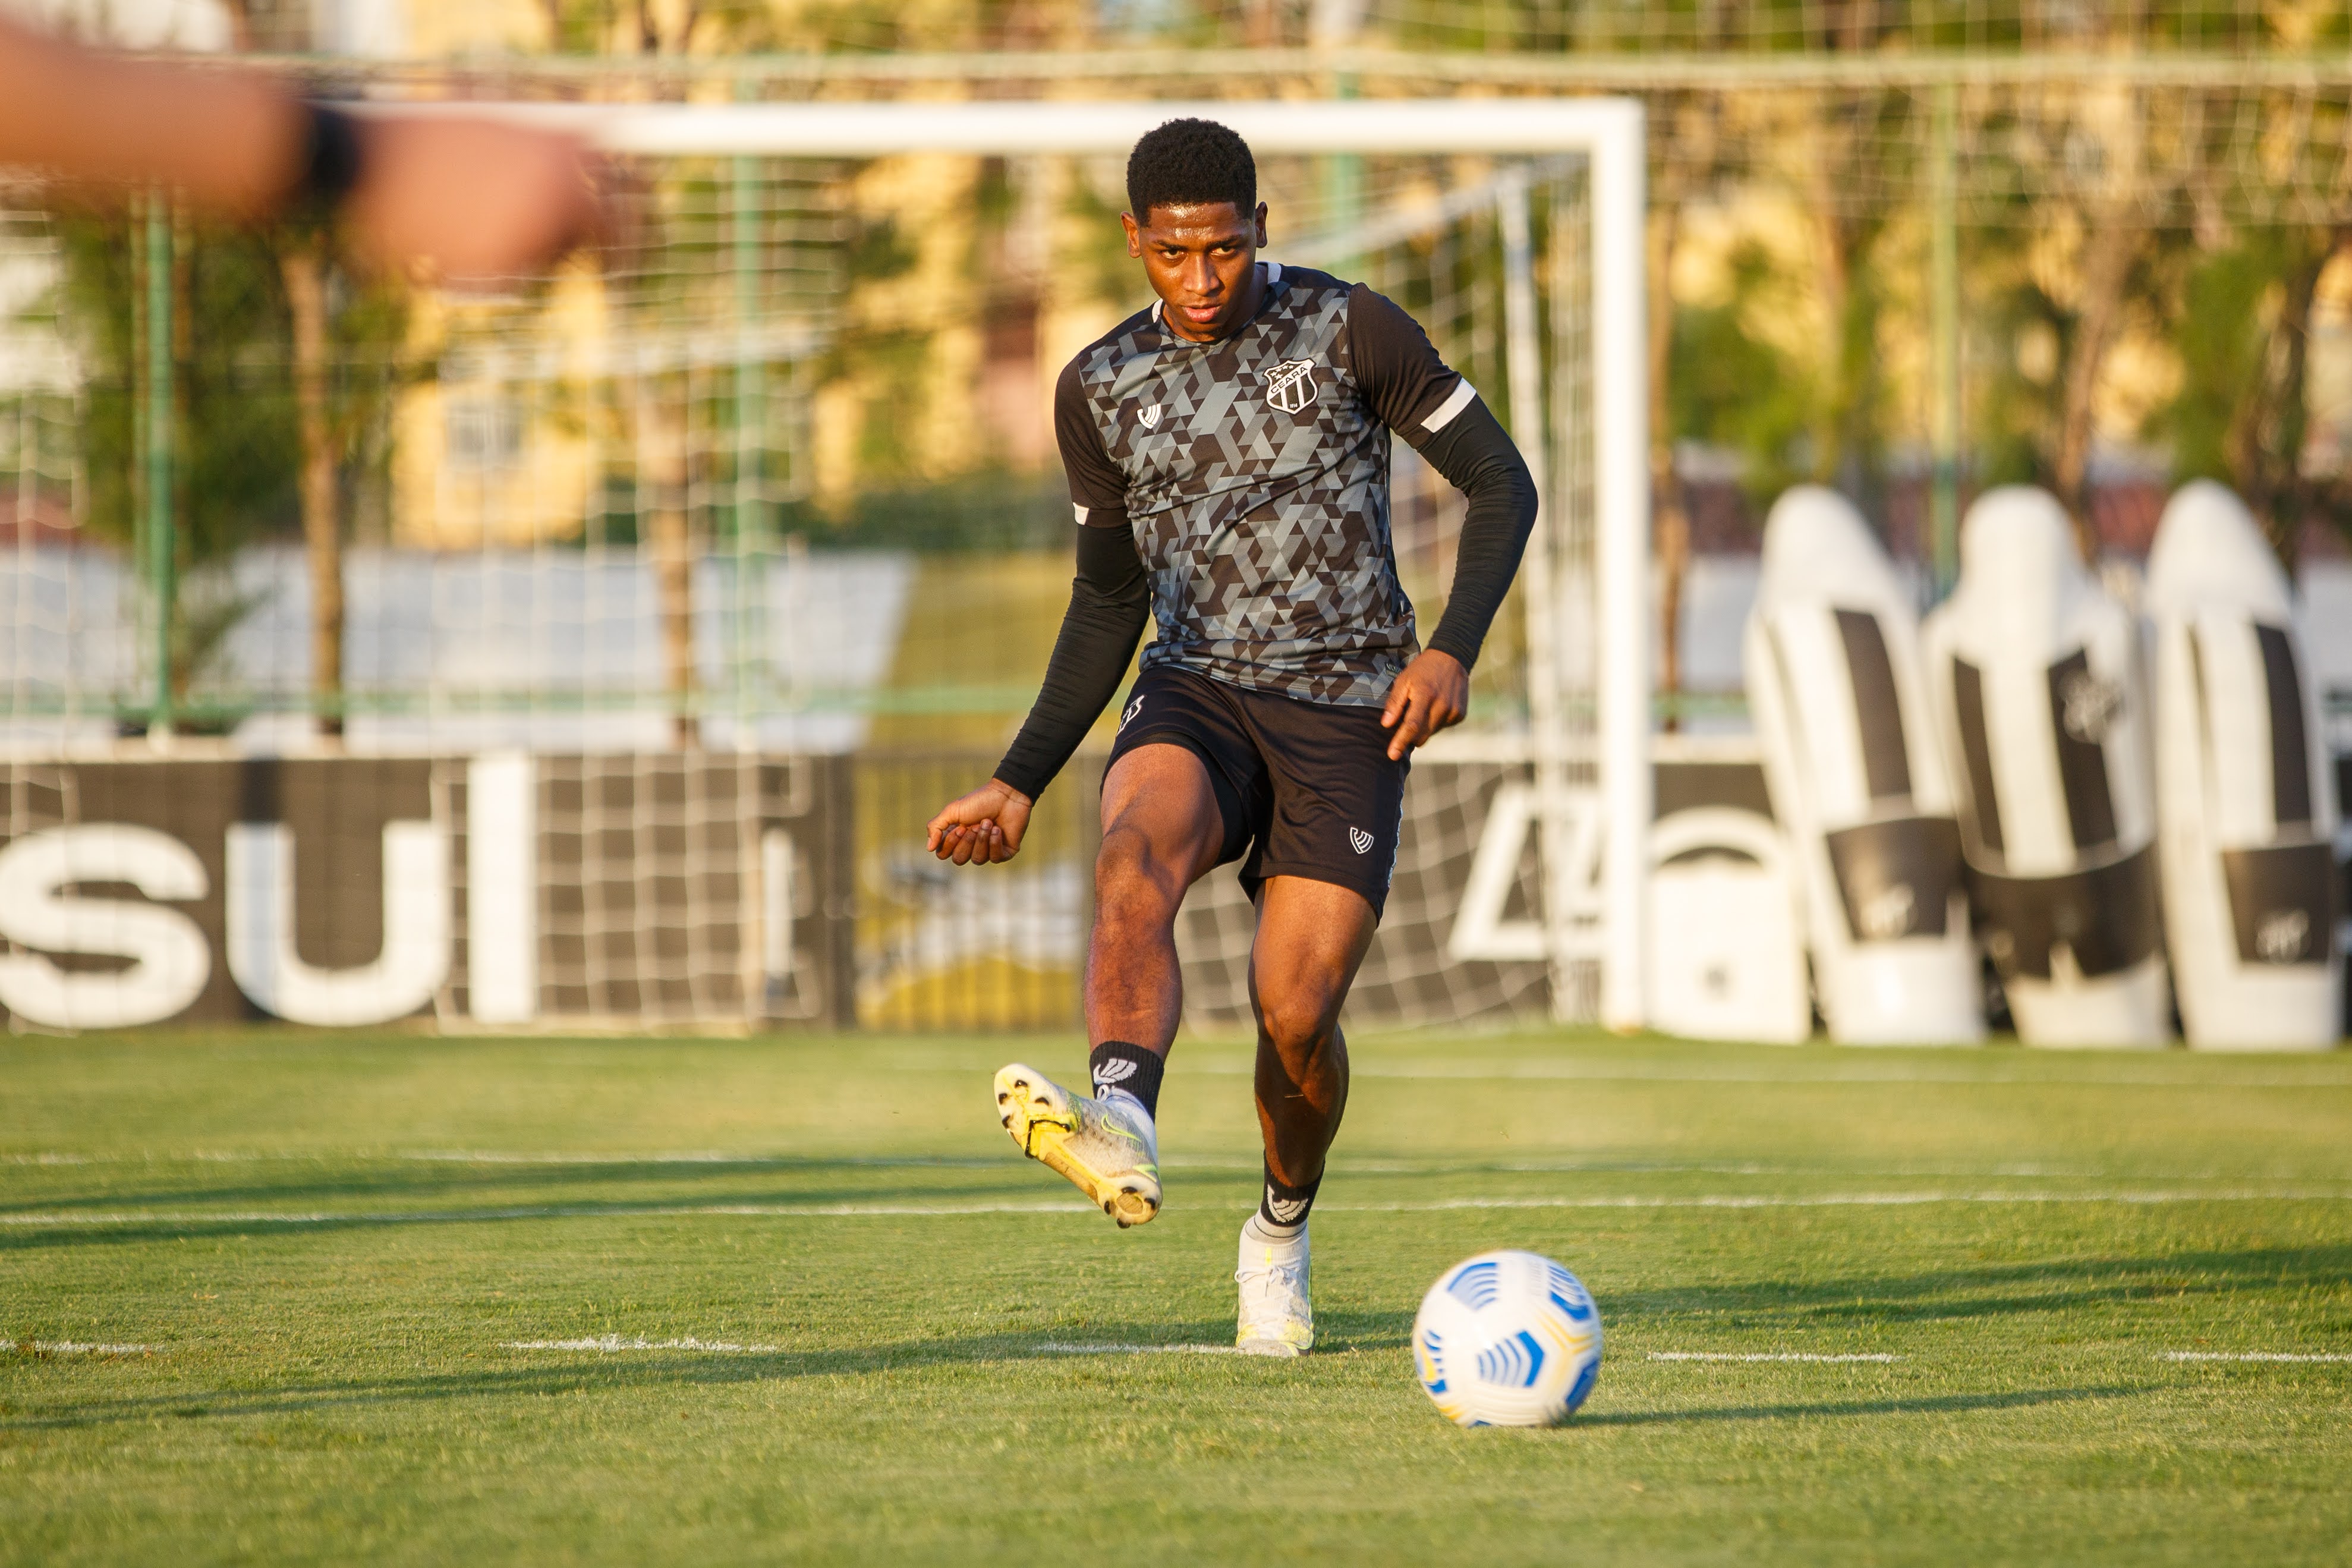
{"x": 1290, "y": 385}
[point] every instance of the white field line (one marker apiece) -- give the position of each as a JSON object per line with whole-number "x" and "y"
{"x": 1871, "y": 1073}
{"x": 608, "y": 1344}
{"x": 1339, "y": 1165}
{"x": 1774, "y": 1356}
{"x": 2330, "y": 1356}
{"x": 1843, "y": 1199}
{"x": 690, "y": 1157}
{"x": 885, "y": 1211}
{"x": 1064, "y": 1348}
{"x": 611, "y": 1343}
{"x": 519, "y": 1157}
{"x": 457, "y": 1216}
{"x": 77, "y": 1347}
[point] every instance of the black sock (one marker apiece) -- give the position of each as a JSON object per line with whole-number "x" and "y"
{"x": 1284, "y": 1207}
{"x": 1115, "y": 1064}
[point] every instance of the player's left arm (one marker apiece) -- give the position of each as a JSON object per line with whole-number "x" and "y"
{"x": 471, "y": 196}
{"x": 1440, "y": 415}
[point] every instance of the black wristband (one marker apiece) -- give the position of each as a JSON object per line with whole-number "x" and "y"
{"x": 332, "y": 163}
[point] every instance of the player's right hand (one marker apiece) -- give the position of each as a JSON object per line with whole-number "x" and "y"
{"x": 983, "y": 828}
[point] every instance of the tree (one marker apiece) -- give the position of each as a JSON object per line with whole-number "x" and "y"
{"x": 2242, "y": 329}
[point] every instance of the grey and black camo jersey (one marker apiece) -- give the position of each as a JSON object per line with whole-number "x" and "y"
{"x": 1255, "y": 473}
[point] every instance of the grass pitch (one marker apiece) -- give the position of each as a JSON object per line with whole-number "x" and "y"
{"x": 414, "y": 1300}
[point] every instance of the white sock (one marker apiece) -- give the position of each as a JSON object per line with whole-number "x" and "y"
{"x": 1258, "y": 1231}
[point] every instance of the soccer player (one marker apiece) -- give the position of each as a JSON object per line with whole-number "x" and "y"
{"x": 1228, "y": 459}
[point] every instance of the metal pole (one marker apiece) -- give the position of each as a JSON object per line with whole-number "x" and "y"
{"x": 1523, "y": 370}
{"x": 750, "y": 418}
{"x": 1944, "y": 223}
{"x": 1335, "y": 24}
{"x": 161, "y": 552}
{"x": 1343, "y": 189}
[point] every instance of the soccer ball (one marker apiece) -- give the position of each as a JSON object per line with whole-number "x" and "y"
{"x": 1508, "y": 1339}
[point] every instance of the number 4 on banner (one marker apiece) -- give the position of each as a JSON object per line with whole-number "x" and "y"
{"x": 1480, "y": 930}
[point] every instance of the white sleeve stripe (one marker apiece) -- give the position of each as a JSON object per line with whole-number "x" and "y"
{"x": 1080, "y": 512}
{"x": 1463, "y": 395}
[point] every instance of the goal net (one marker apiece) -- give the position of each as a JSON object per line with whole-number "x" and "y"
{"x": 772, "y": 480}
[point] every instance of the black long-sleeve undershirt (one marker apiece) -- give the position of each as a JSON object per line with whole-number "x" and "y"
{"x": 1110, "y": 599}
{"x": 1477, "y": 457}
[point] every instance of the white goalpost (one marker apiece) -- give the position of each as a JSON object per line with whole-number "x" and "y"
{"x": 1594, "y": 836}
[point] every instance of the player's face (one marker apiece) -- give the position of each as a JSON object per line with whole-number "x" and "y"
{"x": 1202, "y": 263}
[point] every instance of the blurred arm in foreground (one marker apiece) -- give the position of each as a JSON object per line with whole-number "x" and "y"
{"x": 470, "y": 198}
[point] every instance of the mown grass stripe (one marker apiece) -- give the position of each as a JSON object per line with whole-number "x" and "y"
{"x": 61, "y": 1220}
{"x": 1879, "y": 1357}
{"x": 609, "y": 1343}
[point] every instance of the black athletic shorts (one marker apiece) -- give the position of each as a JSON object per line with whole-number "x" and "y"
{"x": 1305, "y": 788}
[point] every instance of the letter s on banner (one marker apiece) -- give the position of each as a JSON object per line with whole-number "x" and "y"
{"x": 170, "y": 961}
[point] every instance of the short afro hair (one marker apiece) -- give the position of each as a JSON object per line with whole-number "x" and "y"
{"x": 1190, "y": 161}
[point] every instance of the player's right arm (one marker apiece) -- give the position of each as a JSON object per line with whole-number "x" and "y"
{"x": 1110, "y": 600}
{"x": 473, "y": 197}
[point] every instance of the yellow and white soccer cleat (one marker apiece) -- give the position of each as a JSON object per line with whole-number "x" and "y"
{"x": 1108, "y": 1147}
{"x": 1275, "y": 1317}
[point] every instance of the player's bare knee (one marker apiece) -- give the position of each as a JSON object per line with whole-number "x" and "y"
{"x": 1301, "y": 1029}
{"x": 1133, "y": 886}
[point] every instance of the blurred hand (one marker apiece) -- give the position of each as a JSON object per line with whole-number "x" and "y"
{"x": 472, "y": 199}
{"x": 983, "y": 828}
{"x": 1432, "y": 694}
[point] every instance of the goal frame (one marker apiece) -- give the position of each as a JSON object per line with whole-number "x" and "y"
{"x": 1609, "y": 132}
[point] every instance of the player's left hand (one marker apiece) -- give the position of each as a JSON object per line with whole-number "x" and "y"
{"x": 472, "y": 199}
{"x": 1432, "y": 694}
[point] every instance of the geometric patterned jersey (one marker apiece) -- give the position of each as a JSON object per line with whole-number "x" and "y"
{"x": 1253, "y": 471}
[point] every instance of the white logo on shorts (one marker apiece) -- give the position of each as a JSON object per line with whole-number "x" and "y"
{"x": 1132, "y": 709}
{"x": 1360, "y": 838}
{"x": 1285, "y": 1211}
{"x": 1150, "y": 418}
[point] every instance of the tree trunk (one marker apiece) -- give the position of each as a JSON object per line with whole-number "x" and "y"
{"x": 2264, "y": 444}
{"x": 2109, "y": 250}
{"x": 1671, "y": 518}
{"x": 306, "y": 293}
{"x": 1696, "y": 124}
{"x": 1833, "y": 237}
{"x": 661, "y": 467}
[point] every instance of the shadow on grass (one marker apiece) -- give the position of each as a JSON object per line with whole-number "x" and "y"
{"x": 849, "y": 1179}
{"x": 1930, "y": 1405}
{"x": 553, "y": 1373}
{"x": 1343, "y": 1331}
{"x": 1999, "y": 1290}
{"x": 27, "y": 1230}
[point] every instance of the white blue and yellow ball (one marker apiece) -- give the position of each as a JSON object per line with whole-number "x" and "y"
{"x": 1508, "y": 1339}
